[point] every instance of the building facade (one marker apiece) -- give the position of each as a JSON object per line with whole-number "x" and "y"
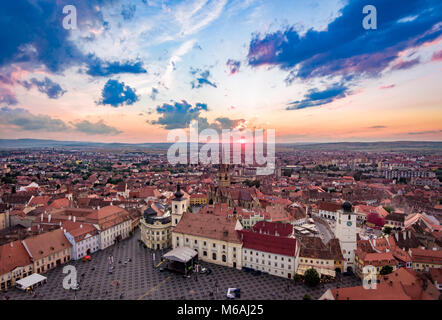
{"x": 346, "y": 233}
{"x": 215, "y": 238}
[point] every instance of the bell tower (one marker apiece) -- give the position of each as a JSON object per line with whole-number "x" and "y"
{"x": 178, "y": 205}
{"x": 224, "y": 175}
{"x": 346, "y": 233}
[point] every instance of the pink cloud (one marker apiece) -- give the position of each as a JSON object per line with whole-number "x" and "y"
{"x": 387, "y": 86}
{"x": 437, "y": 56}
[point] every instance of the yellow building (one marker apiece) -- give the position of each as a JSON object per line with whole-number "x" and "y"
{"x": 48, "y": 250}
{"x": 198, "y": 199}
{"x": 15, "y": 264}
{"x": 156, "y": 228}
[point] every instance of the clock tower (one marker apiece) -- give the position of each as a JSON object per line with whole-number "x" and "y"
{"x": 346, "y": 233}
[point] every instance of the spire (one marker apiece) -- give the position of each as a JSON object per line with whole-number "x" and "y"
{"x": 178, "y": 194}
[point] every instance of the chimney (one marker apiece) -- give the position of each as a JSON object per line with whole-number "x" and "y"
{"x": 41, "y": 217}
{"x": 74, "y": 218}
{"x": 396, "y": 235}
{"x": 81, "y": 226}
{"x": 409, "y": 234}
{"x": 404, "y": 233}
{"x": 49, "y": 218}
{"x": 70, "y": 218}
{"x": 12, "y": 244}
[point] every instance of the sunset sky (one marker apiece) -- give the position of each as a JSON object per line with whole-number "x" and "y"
{"x": 132, "y": 70}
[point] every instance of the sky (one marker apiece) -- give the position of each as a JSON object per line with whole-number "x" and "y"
{"x": 131, "y": 71}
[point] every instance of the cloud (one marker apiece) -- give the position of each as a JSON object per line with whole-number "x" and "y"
{"x": 154, "y": 93}
{"x": 344, "y": 47}
{"x": 52, "y": 89}
{"x": 424, "y": 132}
{"x": 39, "y": 38}
{"x": 403, "y": 65}
{"x": 316, "y": 97}
{"x": 233, "y": 66}
{"x": 98, "y": 127}
{"x": 7, "y": 96}
{"x": 128, "y": 11}
{"x": 197, "y": 15}
{"x": 437, "y": 56}
{"x": 98, "y": 67}
{"x": 227, "y": 123}
{"x": 377, "y": 127}
{"x": 202, "y": 78}
{"x": 387, "y": 86}
{"x": 116, "y": 94}
{"x": 178, "y": 115}
{"x": 25, "y": 120}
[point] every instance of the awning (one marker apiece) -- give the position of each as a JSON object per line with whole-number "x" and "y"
{"x": 322, "y": 271}
{"x": 181, "y": 254}
{"x": 29, "y": 281}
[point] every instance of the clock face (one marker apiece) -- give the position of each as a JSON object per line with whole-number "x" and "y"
{"x": 349, "y": 223}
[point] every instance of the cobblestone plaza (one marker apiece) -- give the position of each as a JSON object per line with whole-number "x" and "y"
{"x": 139, "y": 279}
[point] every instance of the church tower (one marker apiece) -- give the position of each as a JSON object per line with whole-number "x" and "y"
{"x": 224, "y": 175}
{"x": 178, "y": 205}
{"x": 346, "y": 233}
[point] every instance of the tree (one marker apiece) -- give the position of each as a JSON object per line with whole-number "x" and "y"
{"x": 357, "y": 175}
{"x": 387, "y": 230}
{"x": 311, "y": 277}
{"x": 386, "y": 270}
{"x": 307, "y": 297}
{"x": 389, "y": 209}
{"x": 297, "y": 278}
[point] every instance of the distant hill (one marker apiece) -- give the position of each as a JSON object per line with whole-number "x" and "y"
{"x": 384, "y": 146}
{"x": 41, "y": 144}
{"x": 394, "y": 146}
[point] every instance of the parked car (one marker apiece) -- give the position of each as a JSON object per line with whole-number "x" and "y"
{"x": 233, "y": 293}
{"x": 87, "y": 258}
{"x": 207, "y": 271}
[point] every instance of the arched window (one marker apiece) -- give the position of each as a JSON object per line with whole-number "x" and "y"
{"x": 224, "y": 258}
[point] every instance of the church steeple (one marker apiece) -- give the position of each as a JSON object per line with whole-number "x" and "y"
{"x": 178, "y": 205}
{"x": 224, "y": 175}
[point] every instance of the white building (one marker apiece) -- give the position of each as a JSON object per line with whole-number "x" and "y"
{"x": 113, "y": 224}
{"x": 85, "y": 238}
{"x": 270, "y": 248}
{"x": 346, "y": 233}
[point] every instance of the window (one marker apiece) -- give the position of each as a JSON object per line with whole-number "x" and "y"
{"x": 205, "y": 253}
{"x": 214, "y": 256}
{"x": 196, "y": 241}
{"x": 224, "y": 258}
{"x": 214, "y": 245}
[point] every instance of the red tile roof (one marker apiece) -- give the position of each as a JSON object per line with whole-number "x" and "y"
{"x": 268, "y": 243}
{"x": 273, "y": 228}
{"x": 47, "y": 243}
{"x": 208, "y": 226}
{"x": 13, "y": 255}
